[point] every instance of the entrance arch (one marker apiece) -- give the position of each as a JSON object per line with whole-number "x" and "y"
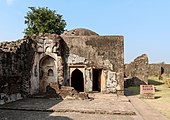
{"x": 77, "y": 80}
{"x": 48, "y": 72}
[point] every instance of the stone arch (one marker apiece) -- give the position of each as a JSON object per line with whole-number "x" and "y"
{"x": 49, "y": 72}
{"x": 77, "y": 80}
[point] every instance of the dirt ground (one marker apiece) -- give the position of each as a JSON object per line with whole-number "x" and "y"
{"x": 162, "y": 96}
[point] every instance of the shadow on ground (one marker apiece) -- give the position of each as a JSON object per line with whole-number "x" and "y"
{"x": 129, "y": 92}
{"x": 157, "y": 97}
{"x": 132, "y": 91}
{"x": 153, "y": 82}
{"x": 29, "y": 115}
{"x": 39, "y": 104}
{"x": 31, "y": 109}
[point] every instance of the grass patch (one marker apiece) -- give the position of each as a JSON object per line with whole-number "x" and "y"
{"x": 162, "y": 94}
{"x": 135, "y": 90}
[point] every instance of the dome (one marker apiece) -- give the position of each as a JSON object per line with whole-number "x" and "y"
{"x": 79, "y": 32}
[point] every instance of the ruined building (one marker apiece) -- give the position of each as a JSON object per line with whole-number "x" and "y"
{"x": 159, "y": 69}
{"x": 79, "y": 58}
{"x": 137, "y": 72}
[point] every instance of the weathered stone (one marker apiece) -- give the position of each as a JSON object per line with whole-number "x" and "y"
{"x": 15, "y": 67}
{"x": 136, "y": 72}
{"x": 79, "y": 32}
{"x": 79, "y": 58}
{"x": 19, "y": 97}
{"x": 159, "y": 69}
{"x": 2, "y": 102}
{"x": 13, "y": 98}
{"x": 102, "y": 52}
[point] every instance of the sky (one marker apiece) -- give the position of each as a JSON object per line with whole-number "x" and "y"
{"x": 145, "y": 24}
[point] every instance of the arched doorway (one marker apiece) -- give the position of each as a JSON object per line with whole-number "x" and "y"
{"x": 48, "y": 72}
{"x": 77, "y": 80}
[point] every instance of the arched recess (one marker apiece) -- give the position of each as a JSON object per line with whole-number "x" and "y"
{"x": 48, "y": 72}
{"x": 77, "y": 80}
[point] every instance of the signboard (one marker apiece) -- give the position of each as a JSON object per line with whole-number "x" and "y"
{"x": 147, "y": 91}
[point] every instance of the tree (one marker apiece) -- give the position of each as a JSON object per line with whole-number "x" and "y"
{"x": 43, "y": 20}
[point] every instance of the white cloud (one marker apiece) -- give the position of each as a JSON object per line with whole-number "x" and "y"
{"x": 9, "y": 2}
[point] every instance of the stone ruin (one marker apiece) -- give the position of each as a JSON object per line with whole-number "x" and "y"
{"x": 136, "y": 73}
{"x": 158, "y": 70}
{"x": 16, "y": 60}
{"x": 72, "y": 64}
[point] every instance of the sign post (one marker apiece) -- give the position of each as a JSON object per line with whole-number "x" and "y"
{"x": 147, "y": 91}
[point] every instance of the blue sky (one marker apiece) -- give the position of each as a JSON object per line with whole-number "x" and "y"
{"x": 145, "y": 24}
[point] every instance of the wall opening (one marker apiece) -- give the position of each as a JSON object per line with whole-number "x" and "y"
{"x": 77, "y": 80}
{"x": 97, "y": 79}
{"x": 47, "y": 72}
{"x": 50, "y": 72}
{"x": 161, "y": 73}
{"x": 162, "y": 70}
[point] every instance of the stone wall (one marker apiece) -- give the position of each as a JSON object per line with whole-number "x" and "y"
{"x": 136, "y": 72}
{"x": 158, "y": 69}
{"x": 25, "y": 64}
{"x": 15, "y": 66}
{"x": 101, "y": 52}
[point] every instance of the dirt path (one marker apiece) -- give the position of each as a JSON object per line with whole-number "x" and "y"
{"x": 143, "y": 109}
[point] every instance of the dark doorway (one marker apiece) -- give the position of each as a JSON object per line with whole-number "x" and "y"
{"x": 162, "y": 70}
{"x": 97, "y": 79}
{"x": 77, "y": 80}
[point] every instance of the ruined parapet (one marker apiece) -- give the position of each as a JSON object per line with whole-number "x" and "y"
{"x": 136, "y": 72}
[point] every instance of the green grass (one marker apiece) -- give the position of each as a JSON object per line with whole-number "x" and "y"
{"x": 135, "y": 90}
{"x": 162, "y": 95}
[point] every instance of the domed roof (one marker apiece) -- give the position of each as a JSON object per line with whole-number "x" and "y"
{"x": 79, "y": 32}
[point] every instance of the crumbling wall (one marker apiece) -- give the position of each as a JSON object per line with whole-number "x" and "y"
{"x": 136, "y": 72}
{"x": 20, "y": 62}
{"x": 158, "y": 69}
{"x": 15, "y": 66}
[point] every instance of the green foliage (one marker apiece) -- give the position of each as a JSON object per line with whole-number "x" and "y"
{"x": 43, "y": 20}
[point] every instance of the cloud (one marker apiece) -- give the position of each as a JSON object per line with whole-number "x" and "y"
{"x": 9, "y": 2}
